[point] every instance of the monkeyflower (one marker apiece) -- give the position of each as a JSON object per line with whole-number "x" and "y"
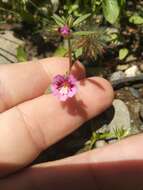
{"x": 64, "y": 31}
{"x": 64, "y": 87}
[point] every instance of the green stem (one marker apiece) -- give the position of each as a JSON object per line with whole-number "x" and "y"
{"x": 7, "y": 10}
{"x": 70, "y": 53}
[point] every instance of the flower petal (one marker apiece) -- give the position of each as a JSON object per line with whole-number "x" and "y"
{"x": 72, "y": 92}
{"x": 64, "y": 87}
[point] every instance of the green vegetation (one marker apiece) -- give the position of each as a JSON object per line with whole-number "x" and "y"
{"x": 117, "y": 24}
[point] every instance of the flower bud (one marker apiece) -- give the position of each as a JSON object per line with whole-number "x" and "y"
{"x": 64, "y": 31}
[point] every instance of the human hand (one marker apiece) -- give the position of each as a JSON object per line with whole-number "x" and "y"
{"x": 31, "y": 122}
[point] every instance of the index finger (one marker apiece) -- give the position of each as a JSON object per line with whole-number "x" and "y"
{"x": 21, "y": 82}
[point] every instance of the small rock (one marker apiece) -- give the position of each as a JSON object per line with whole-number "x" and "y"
{"x": 55, "y": 4}
{"x": 138, "y": 86}
{"x": 100, "y": 143}
{"x": 8, "y": 47}
{"x": 112, "y": 141}
{"x": 132, "y": 71}
{"x": 141, "y": 67}
{"x": 131, "y": 58}
{"x": 134, "y": 92}
{"x": 122, "y": 67}
{"x": 116, "y": 117}
{"x": 126, "y": 88}
{"x": 121, "y": 117}
{"x": 117, "y": 75}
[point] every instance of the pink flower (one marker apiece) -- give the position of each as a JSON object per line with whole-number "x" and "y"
{"x": 64, "y": 31}
{"x": 64, "y": 87}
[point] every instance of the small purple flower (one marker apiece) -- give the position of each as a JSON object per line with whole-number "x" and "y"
{"x": 64, "y": 31}
{"x": 64, "y": 87}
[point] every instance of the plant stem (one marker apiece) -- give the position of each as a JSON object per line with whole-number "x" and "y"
{"x": 70, "y": 53}
{"x": 7, "y": 10}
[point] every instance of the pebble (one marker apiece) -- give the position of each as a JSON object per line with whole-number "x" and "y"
{"x": 131, "y": 58}
{"x": 117, "y": 116}
{"x": 8, "y": 47}
{"x": 117, "y": 75}
{"x": 122, "y": 67}
{"x": 112, "y": 141}
{"x": 134, "y": 92}
{"x": 121, "y": 117}
{"x": 100, "y": 143}
{"x": 55, "y": 4}
{"x": 132, "y": 71}
{"x": 138, "y": 86}
{"x": 141, "y": 67}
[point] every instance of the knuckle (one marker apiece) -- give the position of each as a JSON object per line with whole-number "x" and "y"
{"x": 33, "y": 130}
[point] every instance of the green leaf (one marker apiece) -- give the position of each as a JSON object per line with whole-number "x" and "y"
{"x": 111, "y": 10}
{"x": 136, "y": 19}
{"x": 122, "y": 2}
{"x": 78, "y": 52}
{"x": 121, "y": 133}
{"x": 123, "y": 53}
{"x": 58, "y": 20}
{"x": 60, "y": 51}
{"x": 27, "y": 17}
{"x": 21, "y": 54}
{"x": 72, "y": 8}
{"x": 83, "y": 33}
{"x": 81, "y": 19}
{"x": 70, "y": 21}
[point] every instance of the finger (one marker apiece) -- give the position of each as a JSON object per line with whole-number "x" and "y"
{"x": 21, "y": 82}
{"x": 117, "y": 166}
{"x": 33, "y": 126}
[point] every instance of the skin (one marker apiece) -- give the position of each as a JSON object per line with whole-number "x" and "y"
{"x": 29, "y": 124}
